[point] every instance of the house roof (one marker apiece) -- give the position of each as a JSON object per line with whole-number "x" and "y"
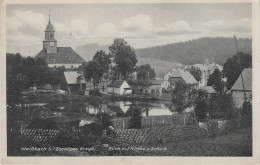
{"x": 185, "y": 75}
{"x": 63, "y": 55}
{"x": 116, "y": 83}
{"x": 71, "y": 77}
{"x": 247, "y": 78}
{"x": 205, "y": 67}
{"x": 158, "y": 112}
{"x": 145, "y": 82}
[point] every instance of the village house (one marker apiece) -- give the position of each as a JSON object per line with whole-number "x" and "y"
{"x": 153, "y": 87}
{"x": 119, "y": 87}
{"x": 242, "y": 89}
{"x": 73, "y": 82}
{"x": 175, "y": 75}
{"x": 206, "y": 69}
{"x": 58, "y": 56}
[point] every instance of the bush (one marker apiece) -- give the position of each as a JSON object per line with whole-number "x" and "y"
{"x": 135, "y": 120}
{"x": 201, "y": 109}
{"x": 246, "y": 109}
{"x": 222, "y": 106}
{"x": 43, "y": 124}
{"x": 87, "y": 136}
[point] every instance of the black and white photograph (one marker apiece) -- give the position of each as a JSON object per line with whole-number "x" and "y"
{"x": 129, "y": 79}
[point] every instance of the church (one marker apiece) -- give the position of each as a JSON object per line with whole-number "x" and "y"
{"x": 58, "y": 56}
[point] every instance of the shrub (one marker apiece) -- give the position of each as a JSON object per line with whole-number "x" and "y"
{"x": 42, "y": 124}
{"x": 222, "y": 106}
{"x": 246, "y": 109}
{"x": 135, "y": 120}
{"x": 201, "y": 109}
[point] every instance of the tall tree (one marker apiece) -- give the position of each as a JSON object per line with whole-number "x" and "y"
{"x": 104, "y": 62}
{"x": 216, "y": 81}
{"x": 234, "y": 66}
{"x": 195, "y": 72}
{"x": 123, "y": 56}
{"x": 143, "y": 71}
{"x": 180, "y": 96}
{"x": 97, "y": 68}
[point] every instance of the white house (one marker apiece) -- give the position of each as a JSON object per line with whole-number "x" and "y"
{"x": 178, "y": 74}
{"x": 206, "y": 69}
{"x": 242, "y": 89}
{"x": 119, "y": 87}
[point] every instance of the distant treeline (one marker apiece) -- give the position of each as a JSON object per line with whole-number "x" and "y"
{"x": 218, "y": 49}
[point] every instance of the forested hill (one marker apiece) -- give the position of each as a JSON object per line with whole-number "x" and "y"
{"x": 196, "y": 51}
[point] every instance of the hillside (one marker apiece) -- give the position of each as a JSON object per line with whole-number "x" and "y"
{"x": 196, "y": 51}
{"x": 88, "y": 51}
{"x": 162, "y": 58}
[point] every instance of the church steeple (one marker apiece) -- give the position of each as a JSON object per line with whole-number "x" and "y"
{"x": 49, "y": 43}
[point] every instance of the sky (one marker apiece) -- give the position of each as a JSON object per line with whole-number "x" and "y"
{"x": 141, "y": 25}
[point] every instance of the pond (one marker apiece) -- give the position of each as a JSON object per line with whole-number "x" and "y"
{"x": 87, "y": 113}
{"x": 118, "y": 108}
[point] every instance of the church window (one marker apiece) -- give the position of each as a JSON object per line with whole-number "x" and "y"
{"x": 51, "y": 35}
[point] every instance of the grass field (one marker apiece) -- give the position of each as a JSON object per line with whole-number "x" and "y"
{"x": 237, "y": 143}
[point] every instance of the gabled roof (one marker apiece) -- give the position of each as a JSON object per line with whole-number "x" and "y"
{"x": 185, "y": 75}
{"x": 205, "y": 67}
{"x": 158, "y": 112}
{"x": 72, "y": 77}
{"x": 116, "y": 83}
{"x": 247, "y": 78}
{"x": 64, "y": 55}
{"x": 145, "y": 82}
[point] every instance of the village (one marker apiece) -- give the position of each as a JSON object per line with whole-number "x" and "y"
{"x": 109, "y": 101}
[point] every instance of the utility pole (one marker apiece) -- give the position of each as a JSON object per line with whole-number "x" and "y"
{"x": 240, "y": 69}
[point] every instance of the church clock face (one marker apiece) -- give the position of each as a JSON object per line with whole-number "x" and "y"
{"x": 51, "y": 44}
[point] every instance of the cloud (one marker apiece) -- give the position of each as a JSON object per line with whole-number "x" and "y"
{"x": 25, "y": 19}
{"x": 241, "y": 25}
{"x": 106, "y": 30}
{"x": 139, "y": 22}
{"x": 175, "y": 28}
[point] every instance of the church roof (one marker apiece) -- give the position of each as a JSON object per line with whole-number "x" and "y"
{"x": 64, "y": 55}
{"x": 49, "y": 27}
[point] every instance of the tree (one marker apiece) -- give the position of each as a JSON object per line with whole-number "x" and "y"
{"x": 92, "y": 72}
{"x": 180, "y": 96}
{"x": 97, "y": 68}
{"x": 234, "y": 66}
{"x": 222, "y": 106}
{"x": 195, "y": 72}
{"x": 104, "y": 61}
{"x": 216, "y": 81}
{"x": 135, "y": 120}
{"x": 123, "y": 56}
{"x": 201, "y": 104}
{"x": 143, "y": 71}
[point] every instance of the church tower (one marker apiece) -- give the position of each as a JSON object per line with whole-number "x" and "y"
{"x": 49, "y": 43}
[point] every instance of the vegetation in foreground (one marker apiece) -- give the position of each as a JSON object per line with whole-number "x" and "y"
{"x": 237, "y": 143}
